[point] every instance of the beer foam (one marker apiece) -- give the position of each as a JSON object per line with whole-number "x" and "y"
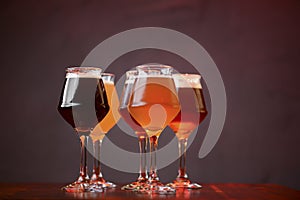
{"x": 187, "y": 81}
{"x": 82, "y": 75}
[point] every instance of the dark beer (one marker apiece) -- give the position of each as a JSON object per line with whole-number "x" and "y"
{"x": 83, "y": 102}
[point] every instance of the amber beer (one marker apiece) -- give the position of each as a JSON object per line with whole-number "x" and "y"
{"x": 193, "y": 109}
{"x": 191, "y": 114}
{"x": 139, "y": 131}
{"x": 112, "y": 116}
{"x": 83, "y": 102}
{"x": 153, "y": 103}
{"x": 123, "y": 110}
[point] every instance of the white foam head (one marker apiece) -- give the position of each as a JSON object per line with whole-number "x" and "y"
{"x": 82, "y": 75}
{"x": 187, "y": 80}
{"x": 83, "y": 72}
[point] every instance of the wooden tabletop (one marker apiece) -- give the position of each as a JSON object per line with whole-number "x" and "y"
{"x": 209, "y": 191}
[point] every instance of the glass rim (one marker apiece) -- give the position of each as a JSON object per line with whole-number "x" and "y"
{"x": 108, "y": 77}
{"x": 154, "y": 65}
{"x": 133, "y": 72}
{"x": 83, "y": 72}
{"x": 82, "y": 69}
{"x": 108, "y": 74}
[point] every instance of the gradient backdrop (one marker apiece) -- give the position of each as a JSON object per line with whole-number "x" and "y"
{"x": 255, "y": 45}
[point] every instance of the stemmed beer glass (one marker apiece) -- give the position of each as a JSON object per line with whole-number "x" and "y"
{"x": 97, "y": 181}
{"x": 154, "y": 104}
{"x": 139, "y": 131}
{"x": 83, "y": 103}
{"x": 192, "y": 113}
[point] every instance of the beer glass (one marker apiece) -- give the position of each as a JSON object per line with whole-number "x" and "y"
{"x": 192, "y": 113}
{"x": 154, "y": 104}
{"x": 97, "y": 181}
{"x": 139, "y": 131}
{"x": 83, "y": 103}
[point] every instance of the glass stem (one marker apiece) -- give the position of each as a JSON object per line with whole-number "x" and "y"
{"x": 97, "y": 175}
{"x": 153, "y": 170}
{"x": 143, "y": 150}
{"x": 83, "y": 177}
{"x": 182, "y": 143}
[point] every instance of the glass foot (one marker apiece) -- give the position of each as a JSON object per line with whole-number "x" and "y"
{"x": 100, "y": 186}
{"x": 135, "y": 185}
{"x": 97, "y": 185}
{"x": 77, "y": 186}
{"x": 108, "y": 184}
{"x": 166, "y": 190}
{"x": 184, "y": 183}
{"x": 155, "y": 188}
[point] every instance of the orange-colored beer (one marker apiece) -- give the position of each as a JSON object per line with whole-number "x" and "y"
{"x": 154, "y": 103}
{"x": 112, "y": 116}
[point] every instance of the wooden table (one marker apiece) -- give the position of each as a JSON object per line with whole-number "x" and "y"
{"x": 209, "y": 191}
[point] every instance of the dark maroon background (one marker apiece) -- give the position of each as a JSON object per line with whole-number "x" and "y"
{"x": 255, "y": 45}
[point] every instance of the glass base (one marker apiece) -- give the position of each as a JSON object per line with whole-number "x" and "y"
{"x": 99, "y": 183}
{"x": 155, "y": 187}
{"x": 135, "y": 185}
{"x": 184, "y": 183}
{"x": 77, "y": 186}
